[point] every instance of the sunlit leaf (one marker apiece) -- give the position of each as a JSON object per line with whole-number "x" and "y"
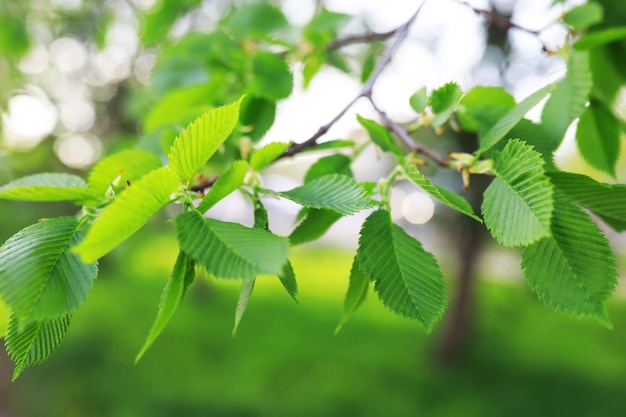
{"x": 380, "y": 135}
{"x": 331, "y": 164}
{"x": 128, "y": 165}
{"x": 599, "y": 138}
{"x": 443, "y": 102}
{"x": 357, "y": 292}
{"x": 482, "y": 107}
{"x": 419, "y": 100}
{"x": 46, "y": 187}
{"x": 230, "y": 181}
{"x": 264, "y": 156}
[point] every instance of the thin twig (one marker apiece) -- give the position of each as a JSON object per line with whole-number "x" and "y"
{"x": 501, "y": 21}
{"x": 364, "y": 38}
{"x": 403, "y": 135}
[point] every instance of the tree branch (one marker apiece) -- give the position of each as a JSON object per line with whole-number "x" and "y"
{"x": 364, "y": 38}
{"x": 501, "y": 21}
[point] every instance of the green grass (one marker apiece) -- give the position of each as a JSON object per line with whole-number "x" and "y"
{"x": 522, "y": 360}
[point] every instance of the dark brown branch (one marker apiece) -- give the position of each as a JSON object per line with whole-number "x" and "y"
{"x": 364, "y": 38}
{"x": 501, "y": 21}
{"x": 403, "y": 135}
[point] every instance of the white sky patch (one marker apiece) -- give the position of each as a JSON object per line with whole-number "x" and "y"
{"x": 30, "y": 117}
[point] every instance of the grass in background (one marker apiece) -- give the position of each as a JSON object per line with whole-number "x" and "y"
{"x": 523, "y": 360}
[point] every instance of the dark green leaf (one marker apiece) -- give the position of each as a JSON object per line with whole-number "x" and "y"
{"x": 332, "y": 164}
{"x": 315, "y": 224}
{"x": 288, "y": 279}
{"x": 599, "y": 138}
{"x": 357, "y": 292}
{"x": 380, "y": 135}
{"x": 271, "y": 78}
{"x": 257, "y": 116}
{"x": 244, "y": 296}
{"x": 230, "y": 181}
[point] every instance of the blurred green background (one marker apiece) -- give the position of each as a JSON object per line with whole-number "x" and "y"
{"x": 519, "y": 358}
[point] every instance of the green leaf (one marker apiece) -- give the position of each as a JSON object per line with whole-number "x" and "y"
{"x": 511, "y": 118}
{"x": 264, "y": 156}
{"x": 608, "y": 201}
{"x": 407, "y": 278}
{"x": 333, "y": 192}
{"x": 372, "y": 55}
{"x": 331, "y": 144}
{"x": 419, "y": 100}
{"x": 380, "y": 135}
{"x": 443, "y": 102}
{"x": 573, "y": 271}
{"x": 128, "y": 213}
{"x": 312, "y": 63}
{"x": 261, "y": 219}
{"x": 288, "y": 279}
{"x": 257, "y": 116}
{"x": 315, "y": 224}
{"x": 600, "y": 38}
{"x": 201, "y": 139}
{"x": 569, "y": 100}
{"x": 254, "y": 20}
{"x": 482, "y": 107}
{"x": 230, "y": 250}
{"x": 39, "y": 277}
{"x": 128, "y": 165}
{"x": 5, "y": 314}
{"x": 271, "y": 78}
{"x": 46, "y": 187}
{"x": 231, "y": 180}
{"x": 517, "y": 205}
{"x": 599, "y": 138}
{"x": 331, "y": 164}
{"x": 535, "y": 135}
{"x": 242, "y": 303}
{"x": 29, "y": 344}
{"x": 172, "y": 107}
{"x": 182, "y": 276}
{"x": 584, "y": 16}
{"x": 447, "y": 197}
{"x": 356, "y": 295}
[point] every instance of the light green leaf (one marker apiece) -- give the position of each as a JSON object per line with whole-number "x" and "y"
{"x": 39, "y": 277}
{"x": 5, "y": 314}
{"x": 201, "y": 139}
{"x": 128, "y": 213}
{"x": 175, "y": 105}
{"x": 331, "y": 164}
{"x": 482, "y": 107}
{"x": 511, "y": 118}
{"x": 230, "y": 250}
{"x": 29, "y": 344}
{"x": 517, "y": 206}
{"x": 573, "y": 271}
{"x": 127, "y": 165}
{"x": 255, "y": 19}
{"x": 181, "y": 278}
{"x": 606, "y": 200}
{"x": 419, "y": 100}
{"x": 271, "y": 78}
{"x": 600, "y": 38}
{"x": 242, "y": 303}
{"x": 331, "y": 144}
{"x": 407, "y": 278}
{"x": 380, "y": 135}
{"x": 46, "y": 187}
{"x": 443, "y": 102}
{"x": 356, "y": 295}
{"x": 333, "y": 192}
{"x": 447, "y": 197}
{"x": 231, "y": 180}
{"x": 315, "y": 224}
{"x": 569, "y": 100}
{"x": 288, "y": 279}
{"x": 583, "y": 16}
{"x": 599, "y": 138}
{"x": 264, "y": 156}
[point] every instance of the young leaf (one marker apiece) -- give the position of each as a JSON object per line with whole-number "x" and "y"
{"x": 128, "y": 165}
{"x": 511, "y": 118}
{"x": 315, "y": 224}
{"x": 380, "y": 135}
{"x": 574, "y": 270}
{"x": 482, "y": 107}
{"x": 230, "y": 250}
{"x": 447, "y": 197}
{"x": 5, "y": 314}
{"x": 357, "y": 292}
{"x": 264, "y": 156}
{"x": 443, "y": 102}
{"x": 583, "y": 16}
{"x": 517, "y": 206}
{"x": 407, "y": 278}
{"x": 599, "y": 138}
{"x": 244, "y": 296}
{"x": 271, "y": 78}
{"x": 128, "y": 213}
{"x": 181, "y": 278}
{"x": 419, "y": 100}
{"x": 288, "y": 279}
{"x": 46, "y": 187}
{"x": 600, "y": 38}
{"x": 31, "y": 343}
{"x": 569, "y": 100}
{"x": 331, "y": 164}
{"x": 231, "y": 180}
{"x": 333, "y": 192}
{"x": 606, "y": 200}
{"x": 39, "y": 277}
{"x": 194, "y": 146}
